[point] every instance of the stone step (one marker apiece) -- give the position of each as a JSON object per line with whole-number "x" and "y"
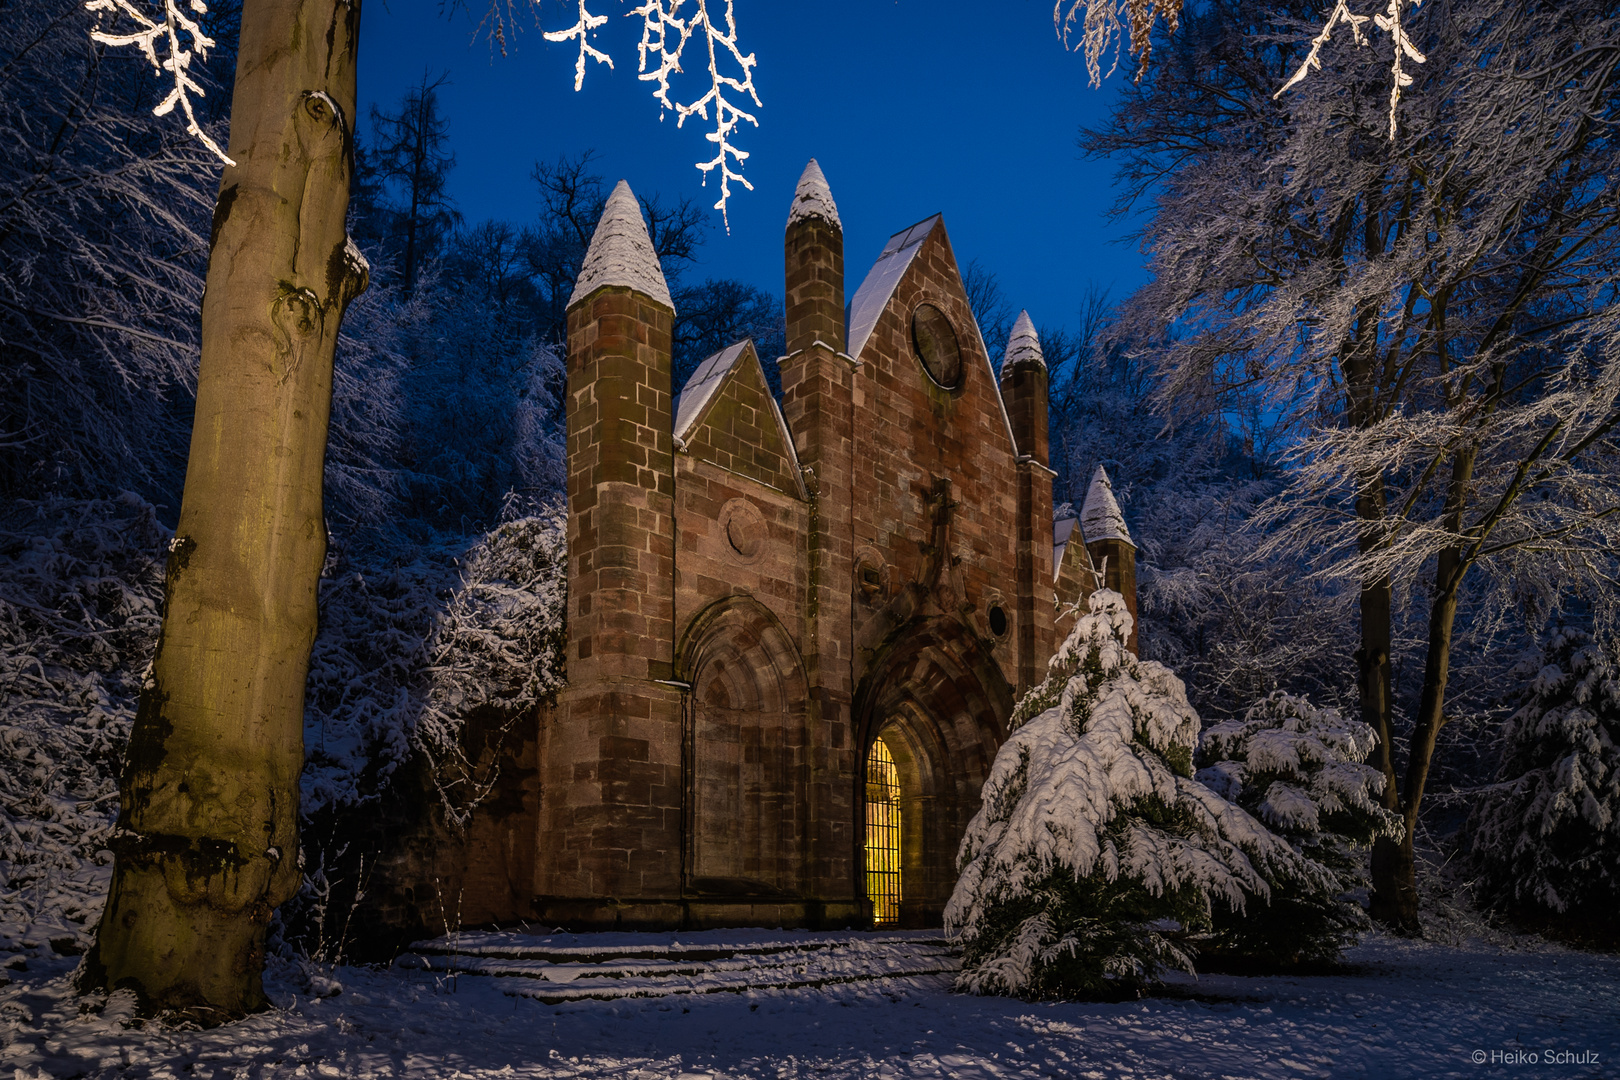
{"x": 558, "y": 968}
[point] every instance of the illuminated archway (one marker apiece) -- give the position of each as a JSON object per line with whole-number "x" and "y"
{"x": 939, "y": 705}
{"x": 884, "y": 827}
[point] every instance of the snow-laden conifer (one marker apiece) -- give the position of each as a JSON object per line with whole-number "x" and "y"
{"x": 1300, "y": 769}
{"x": 1095, "y": 846}
{"x": 1546, "y": 836}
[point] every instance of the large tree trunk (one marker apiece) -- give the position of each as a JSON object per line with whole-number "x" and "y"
{"x": 1399, "y": 881}
{"x": 207, "y": 845}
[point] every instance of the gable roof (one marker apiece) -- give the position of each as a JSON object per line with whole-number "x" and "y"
{"x": 873, "y": 297}
{"x": 1064, "y": 531}
{"x": 881, "y": 281}
{"x": 702, "y": 386}
{"x": 703, "y": 389}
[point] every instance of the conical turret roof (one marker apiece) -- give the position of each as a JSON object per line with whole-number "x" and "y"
{"x": 1100, "y": 517}
{"x": 621, "y": 253}
{"x": 1024, "y": 346}
{"x": 813, "y": 199}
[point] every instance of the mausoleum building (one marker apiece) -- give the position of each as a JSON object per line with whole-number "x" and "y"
{"x": 796, "y": 629}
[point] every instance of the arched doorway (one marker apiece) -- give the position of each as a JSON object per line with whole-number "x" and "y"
{"x": 744, "y": 753}
{"x": 936, "y": 704}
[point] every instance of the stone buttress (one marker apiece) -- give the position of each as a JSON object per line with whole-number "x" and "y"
{"x": 818, "y": 379}
{"x": 1024, "y": 389}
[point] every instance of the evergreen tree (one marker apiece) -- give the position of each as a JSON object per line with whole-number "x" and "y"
{"x": 410, "y": 155}
{"x": 1300, "y": 770}
{"x": 1546, "y": 837}
{"x": 1096, "y": 851}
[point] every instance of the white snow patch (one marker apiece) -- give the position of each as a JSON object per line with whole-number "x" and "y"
{"x": 1100, "y": 516}
{"x": 881, "y": 281}
{"x": 1402, "y": 1008}
{"x": 621, "y": 253}
{"x": 703, "y": 385}
{"x": 1062, "y": 532}
{"x": 356, "y": 258}
{"x": 1023, "y": 347}
{"x": 813, "y": 199}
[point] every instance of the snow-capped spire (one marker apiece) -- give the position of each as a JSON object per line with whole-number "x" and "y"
{"x": 1100, "y": 517}
{"x": 1023, "y": 346}
{"x": 813, "y": 199}
{"x": 621, "y": 253}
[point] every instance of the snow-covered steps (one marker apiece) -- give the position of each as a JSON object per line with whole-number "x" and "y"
{"x": 568, "y": 967}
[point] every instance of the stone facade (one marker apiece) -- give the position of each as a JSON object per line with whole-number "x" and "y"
{"x": 758, "y": 591}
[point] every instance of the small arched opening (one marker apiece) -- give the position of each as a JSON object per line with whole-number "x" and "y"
{"x": 885, "y": 826}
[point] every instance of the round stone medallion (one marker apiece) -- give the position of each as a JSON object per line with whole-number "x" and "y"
{"x": 744, "y": 528}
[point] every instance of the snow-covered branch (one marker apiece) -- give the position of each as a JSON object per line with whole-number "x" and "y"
{"x": 665, "y": 35}
{"x": 176, "y": 27}
{"x": 581, "y": 30}
{"x": 1390, "y": 23}
{"x": 1102, "y": 28}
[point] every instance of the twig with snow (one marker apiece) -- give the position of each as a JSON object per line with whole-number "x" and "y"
{"x": 582, "y": 31}
{"x": 1390, "y": 23}
{"x": 661, "y": 23}
{"x": 175, "y": 24}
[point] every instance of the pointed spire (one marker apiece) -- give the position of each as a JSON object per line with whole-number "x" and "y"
{"x": 1100, "y": 517}
{"x": 813, "y": 199}
{"x": 1024, "y": 346}
{"x": 621, "y": 253}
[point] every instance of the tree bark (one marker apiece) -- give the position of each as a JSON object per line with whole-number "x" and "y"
{"x": 1398, "y": 886}
{"x": 207, "y": 845}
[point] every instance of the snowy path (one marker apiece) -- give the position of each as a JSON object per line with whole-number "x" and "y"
{"x": 1409, "y": 1010}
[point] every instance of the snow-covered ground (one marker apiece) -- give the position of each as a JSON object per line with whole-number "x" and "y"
{"x": 1407, "y": 1009}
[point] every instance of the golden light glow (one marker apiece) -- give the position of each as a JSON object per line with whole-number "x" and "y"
{"x": 882, "y": 835}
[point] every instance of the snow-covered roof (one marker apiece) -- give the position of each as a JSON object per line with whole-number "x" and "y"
{"x": 1062, "y": 532}
{"x": 1023, "y": 346}
{"x": 813, "y": 198}
{"x": 703, "y": 384}
{"x": 881, "y": 281}
{"x": 621, "y": 253}
{"x": 1100, "y": 517}
{"x": 693, "y": 400}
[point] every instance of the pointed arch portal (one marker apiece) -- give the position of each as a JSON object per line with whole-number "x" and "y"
{"x": 932, "y": 711}
{"x": 744, "y": 752}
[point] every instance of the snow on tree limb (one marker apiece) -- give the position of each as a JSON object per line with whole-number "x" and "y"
{"x": 175, "y": 24}
{"x": 1390, "y": 23}
{"x": 665, "y": 33}
{"x": 1102, "y": 28}
{"x": 582, "y": 30}
{"x": 660, "y": 24}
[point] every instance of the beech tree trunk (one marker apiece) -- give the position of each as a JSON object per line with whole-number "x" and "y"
{"x": 1395, "y": 897}
{"x": 207, "y": 845}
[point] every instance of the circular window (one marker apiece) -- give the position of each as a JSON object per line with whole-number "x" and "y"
{"x": 744, "y": 528}
{"x": 936, "y": 345}
{"x": 998, "y": 621}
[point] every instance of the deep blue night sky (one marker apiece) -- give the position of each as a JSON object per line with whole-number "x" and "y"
{"x": 911, "y": 106}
